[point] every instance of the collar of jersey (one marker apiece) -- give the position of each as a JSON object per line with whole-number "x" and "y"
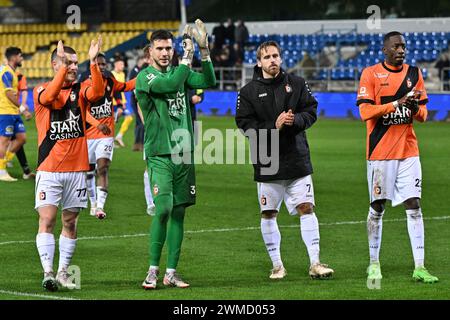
{"x": 162, "y": 72}
{"x": 389, "y": 67}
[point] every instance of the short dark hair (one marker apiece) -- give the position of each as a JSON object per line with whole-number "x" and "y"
{"x": 66, "y": 50}
{"x": 266, "y": 44}
{"x": 12, "y": 51}
{"x": 388, "y": 35}
{"x": 160, "y": 34}
{"x": 101, "y": 54}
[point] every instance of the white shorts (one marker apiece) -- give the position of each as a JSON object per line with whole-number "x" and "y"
{"x": 395, "y": 180}
{"x": 61, "y": 189}
{"x": 100, "y": 148}
{"x": 293, "y": 192}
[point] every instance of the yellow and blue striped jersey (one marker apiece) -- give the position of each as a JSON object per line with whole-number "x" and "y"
{"x": 8, "y": 81}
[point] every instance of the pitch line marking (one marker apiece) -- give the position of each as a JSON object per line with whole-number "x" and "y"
{"x": 225, "y": 230}
{"x": 35, "y": 295}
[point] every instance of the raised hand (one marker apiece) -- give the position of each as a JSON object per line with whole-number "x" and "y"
{"x": 201, "y": 36}
{"x": 95, "y": 48}
{"x": 188, "y": 46}
{"x": 60, "y": 54}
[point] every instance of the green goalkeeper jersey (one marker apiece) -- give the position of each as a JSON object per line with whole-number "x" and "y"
{"x": 163, "y": 99}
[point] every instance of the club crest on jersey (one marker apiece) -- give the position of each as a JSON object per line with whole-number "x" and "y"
{"x": 73, "y": 96}
{"x": 108, "y": 88}
{"x": 155, "y": 190}
{"x": 288, "y": 88}
{"x": 408, "y": 83}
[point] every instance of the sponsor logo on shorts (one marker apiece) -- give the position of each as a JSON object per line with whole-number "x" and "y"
{"x": 9, "y": 129}
{"x": 42, "y": 195}
{"x": 155, "y": 190}
{"x": 263, "y": 200}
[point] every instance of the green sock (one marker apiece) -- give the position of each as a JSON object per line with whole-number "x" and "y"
{"x": 175, "y": 236}
{"x": 159, "y": 227}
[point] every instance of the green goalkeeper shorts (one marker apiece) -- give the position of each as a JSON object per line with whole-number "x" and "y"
{"x": 177, "y": 180}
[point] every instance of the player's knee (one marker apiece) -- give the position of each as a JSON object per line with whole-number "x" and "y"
{"x": 21, "y": 138}
{"x": 412, "y": 203}
{"x": 269, "y": 214}
{"x": 103, "y": 170}
{"x": 46, "y": 224}
{"x": 163, "y": 206}
{"x": 378, "y": 205}
{"x": 70, "y": 225}
{"x": 305, "y": 208}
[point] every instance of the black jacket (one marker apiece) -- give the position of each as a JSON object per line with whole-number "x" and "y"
{"x": 259, "y": 104}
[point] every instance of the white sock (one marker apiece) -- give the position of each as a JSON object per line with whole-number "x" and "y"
{"x": 66, "y": 249}
{"x": 45, "y": 243}
{"x": 168, "y": 270}
{"x": 416, "y": 235}
{"x": 91, "y": 191}
{"x": 374, "y": 232}
{"x": 309, "y": 229}
{"x": 102, "y": 193}
{"x": 147, "y": 192}
{"x": 272, "y": 239}
{"x": 154, "y": 268}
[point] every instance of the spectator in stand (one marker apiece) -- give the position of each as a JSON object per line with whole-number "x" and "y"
{"x": 444, "y": 75}
{"x": 241, "y": 36}
{"x": 219, "y": 33}
{"x": 229, "y": 33}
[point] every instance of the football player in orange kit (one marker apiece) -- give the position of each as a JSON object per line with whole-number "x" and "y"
{"x": 100, "y": 148}
{"x": 60, "y": 108}
{"x": 391, "y": 96}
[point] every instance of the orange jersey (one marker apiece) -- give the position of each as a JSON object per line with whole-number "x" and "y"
{"x": 22, "y": 81}
{"x": 102, "y": 110}
{"x": 390, "y": 134}
{"x": 61, "y": 122}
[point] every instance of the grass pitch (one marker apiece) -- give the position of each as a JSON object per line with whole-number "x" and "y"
{"x": 223, "y": 255}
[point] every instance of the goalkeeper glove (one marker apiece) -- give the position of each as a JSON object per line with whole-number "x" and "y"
{"x": 413, "y": 105}
{"x": 201, "y": 36}
{"x": 188, "y": 46}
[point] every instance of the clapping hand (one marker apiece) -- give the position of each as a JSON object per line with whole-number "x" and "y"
{"x": 95, "y": 48}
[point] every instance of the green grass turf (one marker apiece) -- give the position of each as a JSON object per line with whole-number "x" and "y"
{"x": 234, "y": 264}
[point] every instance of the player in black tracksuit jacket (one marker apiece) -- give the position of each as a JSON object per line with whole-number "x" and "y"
{"x": 261, "y": 101}
{"x": 275, "y": 100}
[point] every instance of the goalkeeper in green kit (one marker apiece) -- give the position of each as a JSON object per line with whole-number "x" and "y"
{"x": 162, "y": 94}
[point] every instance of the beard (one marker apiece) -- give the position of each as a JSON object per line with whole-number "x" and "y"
{"x": 273, "y": 70}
